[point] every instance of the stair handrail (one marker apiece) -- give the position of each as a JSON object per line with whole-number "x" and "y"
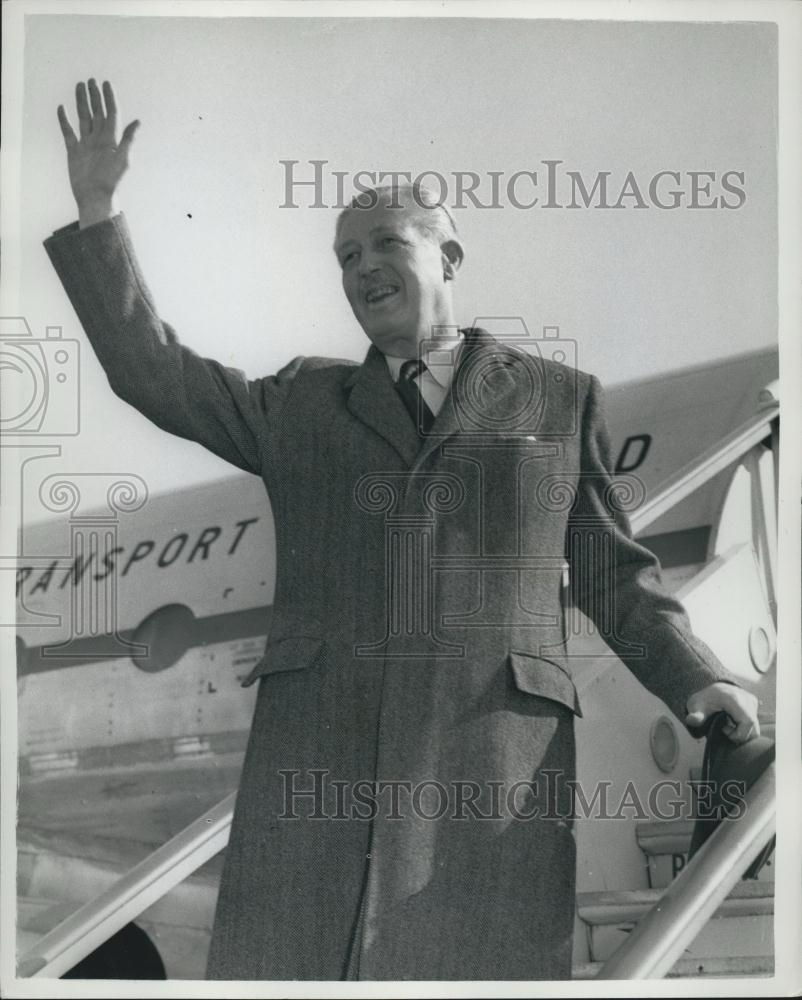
{"x": 98, "y": 919}
{"x": 660, "y": 938}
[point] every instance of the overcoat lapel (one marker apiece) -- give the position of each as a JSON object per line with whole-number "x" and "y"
{"x": 478, "y": 398}
{"x": 374, "y": 401}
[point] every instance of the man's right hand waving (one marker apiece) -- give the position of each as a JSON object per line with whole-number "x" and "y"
{"x": 96, "y": 161}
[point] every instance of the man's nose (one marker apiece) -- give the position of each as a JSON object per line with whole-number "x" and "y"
{"x": 368, "y": 262}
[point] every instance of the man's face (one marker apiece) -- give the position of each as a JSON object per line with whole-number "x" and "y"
{"x": 393, "y": 277}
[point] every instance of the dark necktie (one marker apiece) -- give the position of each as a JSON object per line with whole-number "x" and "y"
{"x": 408, "y": 390}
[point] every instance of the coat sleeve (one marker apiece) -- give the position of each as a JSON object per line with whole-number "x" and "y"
{"x": 190, "y": 396}
{"x": 616, "y": 582}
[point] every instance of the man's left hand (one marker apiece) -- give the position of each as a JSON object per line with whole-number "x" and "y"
{"x": 740, "y": 706}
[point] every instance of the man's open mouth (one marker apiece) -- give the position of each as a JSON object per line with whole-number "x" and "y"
{"x": 380, "y": 293}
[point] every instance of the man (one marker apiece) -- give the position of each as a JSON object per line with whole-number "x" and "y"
{"x": 416, "y": 646}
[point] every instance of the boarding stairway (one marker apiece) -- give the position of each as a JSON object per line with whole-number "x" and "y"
{"x": 671, "y": 927}
{"x": 743, "y": 921}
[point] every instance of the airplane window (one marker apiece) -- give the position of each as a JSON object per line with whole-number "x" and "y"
{"x": 664, "y": 744}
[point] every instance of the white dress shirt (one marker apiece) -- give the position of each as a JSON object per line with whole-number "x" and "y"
{"x": 440, "y": 361}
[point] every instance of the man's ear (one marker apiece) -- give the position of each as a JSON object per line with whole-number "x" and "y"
{"x": 453, "y": 255}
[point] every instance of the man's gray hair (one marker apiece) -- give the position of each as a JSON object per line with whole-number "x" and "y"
{"x": 430, "y": 213}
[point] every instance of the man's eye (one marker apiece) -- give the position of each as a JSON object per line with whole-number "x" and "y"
{"x": 348, "y": 257}
{"x": 389, "y": 240}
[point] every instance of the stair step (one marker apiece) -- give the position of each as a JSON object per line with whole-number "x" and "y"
{"x": 664, "y": 836}
{"x": 668, "y": 836}
{"x": 687, "y": 967}
{"x": 628, "y": 906}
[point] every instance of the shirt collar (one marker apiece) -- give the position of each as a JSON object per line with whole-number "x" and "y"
{"x": 441, "y": 360}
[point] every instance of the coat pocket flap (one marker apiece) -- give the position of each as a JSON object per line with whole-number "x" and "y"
{"x": 296, "y": 652}
{"x": 545, "y": 678}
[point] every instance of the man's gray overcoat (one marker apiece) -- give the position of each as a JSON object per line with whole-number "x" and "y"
{"x": 415, "y": 677}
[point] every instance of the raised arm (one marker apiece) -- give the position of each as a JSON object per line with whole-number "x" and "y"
{"x": 193, "y": 397}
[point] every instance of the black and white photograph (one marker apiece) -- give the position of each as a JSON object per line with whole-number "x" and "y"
{"x": 401, "y": 551}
